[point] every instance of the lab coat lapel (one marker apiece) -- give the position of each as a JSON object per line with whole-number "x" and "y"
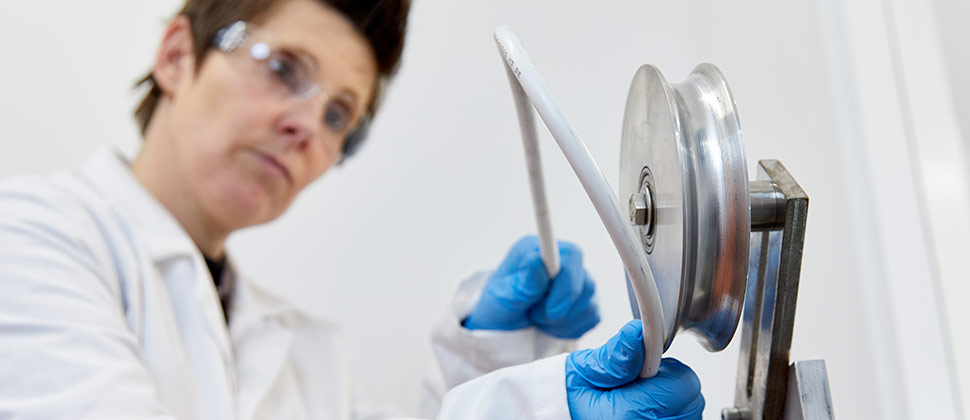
{"x": 166, "y": 240}
{"x": 255, "y": 348}
{"x": 262, "y": 334}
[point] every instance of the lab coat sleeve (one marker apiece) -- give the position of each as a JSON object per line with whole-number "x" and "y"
{"x": 65, "y": 348}
{"x": 462, "y": 355}
{"x": 534, "y": 391}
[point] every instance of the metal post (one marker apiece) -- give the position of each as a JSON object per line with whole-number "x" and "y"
{"x": 808, "y": 392}
{"x": 779, "y": 209}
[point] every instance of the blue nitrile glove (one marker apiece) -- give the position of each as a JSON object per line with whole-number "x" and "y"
{"x": 604, "y": 383}
{"x": 520, "y": 294}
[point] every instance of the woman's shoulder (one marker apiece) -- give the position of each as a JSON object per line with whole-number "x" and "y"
{"x": 60, "y": 215}
{"x": 52, "y": 234}
{"x": 61, "y": 200}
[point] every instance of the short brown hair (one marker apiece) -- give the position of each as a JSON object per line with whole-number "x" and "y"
{"x": 382, "y": 22}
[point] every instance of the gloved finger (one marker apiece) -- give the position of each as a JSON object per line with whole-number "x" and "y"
{"x": 577, "y": 323}
{"x": 530, "y": 283}
{"x": 577, "y": 326}
{"x": 568, "y": 284}
{"x": 513, "y": 293}
{"x": 583, "y": 319}
{"x": 521, "y": 252}
{"x": 521, "y": 279}
{"x": 507, "y": 297}
{"x": 615, "y": 364}
{"x": 693, "y": 411}
{"x": 582, "y": 316}
{"x": 671, "y": 392}
{"x": 540, "y": 313}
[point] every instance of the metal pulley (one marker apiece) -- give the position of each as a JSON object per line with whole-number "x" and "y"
{"x": 682, "y": 158}
{"x": 699, "y": 242}
{"x": 717, "y": 243}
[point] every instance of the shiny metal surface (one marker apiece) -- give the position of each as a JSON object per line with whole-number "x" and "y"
{"x": 683, "y": 141}
{"x": 640, "y": 209}
{"x": 767, "y": 206}
{"x": 809, "y": 397}
{"x": 734, "y": 414}
{"x": 769, "y": 308}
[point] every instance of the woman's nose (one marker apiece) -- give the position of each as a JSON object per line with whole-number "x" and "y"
{"x": 299, "y": 125}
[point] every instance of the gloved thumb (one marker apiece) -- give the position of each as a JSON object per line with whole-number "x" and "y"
{"x": 616, "y": 363}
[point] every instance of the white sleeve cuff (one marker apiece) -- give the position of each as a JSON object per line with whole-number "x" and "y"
{"x": 535, "y": 391}
{"x": 465, "y": 354}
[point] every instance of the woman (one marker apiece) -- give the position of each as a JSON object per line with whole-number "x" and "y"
{"x": 117, "y": 298}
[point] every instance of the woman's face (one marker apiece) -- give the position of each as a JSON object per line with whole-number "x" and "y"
{"x": 244, "y": 152}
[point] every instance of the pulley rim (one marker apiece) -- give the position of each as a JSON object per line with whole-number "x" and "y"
{"x": 682, "y": 143}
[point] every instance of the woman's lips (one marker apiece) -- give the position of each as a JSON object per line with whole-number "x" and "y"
{"x": 274, "y": 165}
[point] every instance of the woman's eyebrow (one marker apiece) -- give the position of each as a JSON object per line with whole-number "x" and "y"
{"x": 302, "y": 52}
{"x": 348, "y": 95}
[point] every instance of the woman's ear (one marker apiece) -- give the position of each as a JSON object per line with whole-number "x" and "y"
{"x": 175, "y": 62}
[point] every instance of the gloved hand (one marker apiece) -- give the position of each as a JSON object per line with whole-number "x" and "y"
{"x": 520, "y": 293}
{"x": 604, "y": 383}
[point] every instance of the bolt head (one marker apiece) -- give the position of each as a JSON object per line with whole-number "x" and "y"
{"x": 638, "y": 209}
{"x": 734, "y": 413}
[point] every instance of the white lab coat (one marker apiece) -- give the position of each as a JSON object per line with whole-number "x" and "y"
{"x": 107, "y": 310}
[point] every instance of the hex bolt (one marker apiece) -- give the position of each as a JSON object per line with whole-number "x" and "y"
{"x": 734, "y": 413}
{"x": 639, "y": 209}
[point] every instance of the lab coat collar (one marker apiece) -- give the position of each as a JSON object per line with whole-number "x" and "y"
{"x": 251, "y": 303}
{"x": 159, "y": 232}
{"x": 262, "y": 328}
{"x": 258, "y": 320}
{"x": 111, "y": 175}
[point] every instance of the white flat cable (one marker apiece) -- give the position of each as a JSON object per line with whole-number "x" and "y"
{"x": 530, "y": 140}
{"x": 528, "y": 85}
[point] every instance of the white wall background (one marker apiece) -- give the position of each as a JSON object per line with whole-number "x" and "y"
{"x": 951, "y": 17}
{"x": 440, "y": 188}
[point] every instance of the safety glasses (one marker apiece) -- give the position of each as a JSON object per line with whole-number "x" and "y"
{"x": 289, "y": 75}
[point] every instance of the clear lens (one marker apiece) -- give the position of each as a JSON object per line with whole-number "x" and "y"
{"x": 336, "y": 117}
{"x": 288, "y": 75}
{"x": 289, "y": 72}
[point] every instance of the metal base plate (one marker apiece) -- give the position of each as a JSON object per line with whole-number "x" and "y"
{"x": 682, "y": 145}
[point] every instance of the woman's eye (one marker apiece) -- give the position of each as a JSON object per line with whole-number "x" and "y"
{"x": 287, "y": 71}
{"x": 336, "y": 119}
